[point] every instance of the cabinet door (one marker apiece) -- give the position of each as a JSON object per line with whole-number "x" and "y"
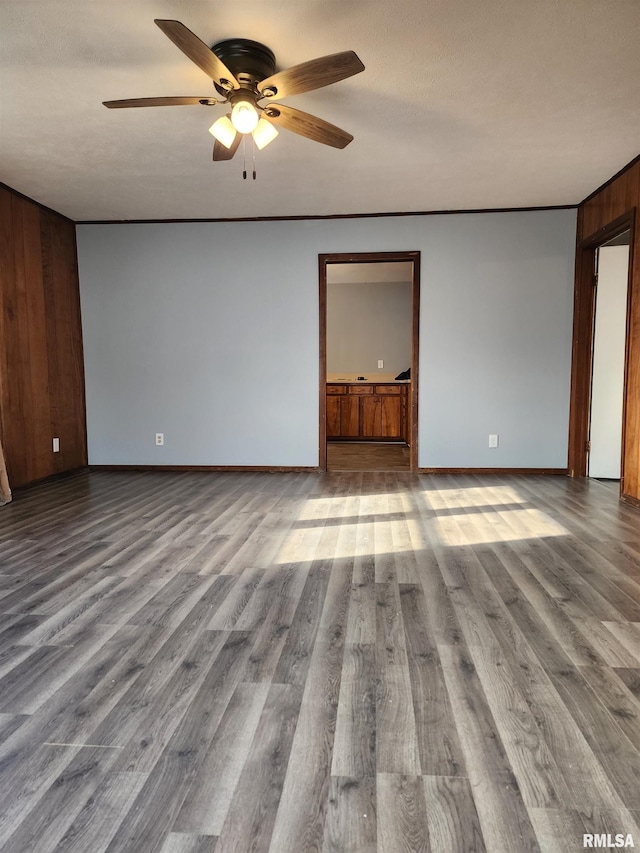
{"x": 333, "y": 416}
{"x": 391, "y": 416}
{"x": 389, "y": 389}
{"x": 349, "y": 416}
{"x": 371, "y": 408}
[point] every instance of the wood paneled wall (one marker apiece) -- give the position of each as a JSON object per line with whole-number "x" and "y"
{"x": 41, "y": 360}
{"x": 614, "y": 200}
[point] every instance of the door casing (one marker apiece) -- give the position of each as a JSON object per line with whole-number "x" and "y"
{"x": 359, "y": 258}
{"x": 583, "y": 337}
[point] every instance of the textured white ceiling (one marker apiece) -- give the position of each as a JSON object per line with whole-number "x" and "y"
{"x": 463, "y": 105}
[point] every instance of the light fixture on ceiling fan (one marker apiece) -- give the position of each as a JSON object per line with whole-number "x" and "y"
{"x": 244, "y": 118}
{"x": 243, "y": 74}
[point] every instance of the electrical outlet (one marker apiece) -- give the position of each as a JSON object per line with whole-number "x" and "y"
{"x": 159, "y": 439}
{"x": 56, "y": 445}
{"x": 380, "y": 362}
{"x": 493, "y": 441}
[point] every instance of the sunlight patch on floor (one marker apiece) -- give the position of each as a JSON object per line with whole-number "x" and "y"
{"x": 453, "y": 498}
{"x": 500, "y": 515}
{"x": 317, "y": 509}
{"x": 508, "y": 526}
{"x": 348, "y": 542}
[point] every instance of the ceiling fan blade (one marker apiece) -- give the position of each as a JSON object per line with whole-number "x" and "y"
{"x": 198, "y": 52}
{"x": 158, "y": 102}
{"x": 307, "y": 125}
{"x": 312, "y": 75}
{"x": 222, "y": 153}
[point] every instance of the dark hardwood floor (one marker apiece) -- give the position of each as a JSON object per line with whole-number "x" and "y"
{"x": 367, "y": 456}
{"x": 304, "y": 662}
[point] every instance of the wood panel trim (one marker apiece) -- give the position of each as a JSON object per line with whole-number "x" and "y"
{"x": 80, "y": 342}
{"x": 582, "y": 344}
{"x": 238, "y": 469}
{"x": 412, "y": 409}
{"x": 364, "y": 439}
{"x": 316, "y": 217}
{"x": 555, "y": 472}
{"x": 293, "y": 469}
{"x": 627, "y": 384}
{"x": 322, "y": 431}
{"x": 368, "y": 257}
{"x": 628, "y": 499}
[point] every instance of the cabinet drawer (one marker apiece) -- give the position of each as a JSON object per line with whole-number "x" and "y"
{"x": 388, "y": 389}
{"x": 336, "y": 389}
{"x": 360, "y": 389}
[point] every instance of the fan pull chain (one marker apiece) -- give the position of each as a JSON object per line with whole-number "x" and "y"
{"x": 253, "y": 149}
{"x": 244, "y": 158}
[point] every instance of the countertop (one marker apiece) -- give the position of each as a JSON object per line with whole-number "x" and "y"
{"x": 371, "y": 379}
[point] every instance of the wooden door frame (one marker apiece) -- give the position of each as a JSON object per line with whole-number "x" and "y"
{"x": 583, "y": 337}
{"x": 363, "y": 258}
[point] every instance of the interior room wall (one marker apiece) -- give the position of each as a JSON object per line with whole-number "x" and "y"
{"x": 204, "y": 332}
{"x": 366, "y": 322}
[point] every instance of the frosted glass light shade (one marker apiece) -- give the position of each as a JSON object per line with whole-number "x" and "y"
{"x": 264, "y": 133}
{"x": 223, "y": 131}
{"x": 244, "y": 117}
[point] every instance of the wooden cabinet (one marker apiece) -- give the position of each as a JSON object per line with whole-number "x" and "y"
{"x": 343, "y": 416}
{"x": 367, "y": 411}
{"x": 381, "y": 417}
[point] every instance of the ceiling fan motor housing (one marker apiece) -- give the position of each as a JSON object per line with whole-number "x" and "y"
{"x": 249, "y": 61}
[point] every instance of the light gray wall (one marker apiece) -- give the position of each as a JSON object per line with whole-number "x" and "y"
{"x": 368, "y": 321}
{"x": 208, "y": 332}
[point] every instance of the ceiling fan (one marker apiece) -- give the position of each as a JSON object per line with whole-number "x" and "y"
{"x": 243, "y": 74}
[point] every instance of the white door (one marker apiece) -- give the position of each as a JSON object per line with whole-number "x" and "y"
{"x": 605, "y": 433}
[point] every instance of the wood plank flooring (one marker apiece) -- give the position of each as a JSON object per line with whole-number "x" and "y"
{"x": 346, "y": 662}
{"x": 367, "y": 456}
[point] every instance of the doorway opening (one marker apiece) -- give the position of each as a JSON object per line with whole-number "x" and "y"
{"x": 369, "y": 324}
{"x": 600, "y": 362}
{"x": 611, "y": 273}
